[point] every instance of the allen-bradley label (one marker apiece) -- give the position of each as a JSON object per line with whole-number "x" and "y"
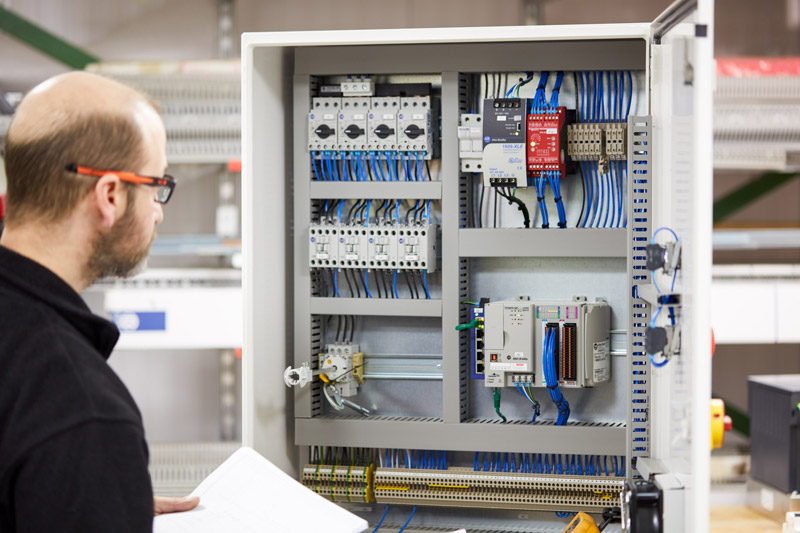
{"x": 602, "y": 366}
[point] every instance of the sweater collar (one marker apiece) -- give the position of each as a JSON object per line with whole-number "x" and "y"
{"x": 37, "y": 282}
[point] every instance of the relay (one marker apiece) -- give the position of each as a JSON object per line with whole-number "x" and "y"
{"x": 545, "y": 141}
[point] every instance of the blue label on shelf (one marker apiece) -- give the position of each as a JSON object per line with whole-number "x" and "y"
{"x": 140, "y": 320}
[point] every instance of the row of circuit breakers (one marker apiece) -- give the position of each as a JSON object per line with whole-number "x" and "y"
{"x": 508, "y": 346}
{"x": 508, "y": 144}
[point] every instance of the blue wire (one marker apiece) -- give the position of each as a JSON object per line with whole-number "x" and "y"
{"x": 425, "y": 284}
{"x": 366, "y": 285}
{"x": 345, "y": 169}
{"x": 418, "y": 173}
{"x": 630, "y": 95}
{"x": 394, "y": 283}
{"x": 335, "y": 167}
{"x": 314, "y": 165}
{"x": 372, "y": 163}
{"x": 385, "y": 510}
{"x": 336, "y": 282}
{"x": 366, "y": 213}
{"x": 409, "y": 519}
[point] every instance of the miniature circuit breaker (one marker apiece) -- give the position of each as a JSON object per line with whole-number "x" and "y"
{"x": 504, "y": 131}
{"x": 415, "y": 126}
{"x": 382, "y": 123}
{"x": 353, "y": 123}
{"x": 513, "y": 337}
{"x": 323, "y": 123}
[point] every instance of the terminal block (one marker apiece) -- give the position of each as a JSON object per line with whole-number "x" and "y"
{"x": 323, "y": 124}
{"x": 415, "y": 125}
{"x": 343, "y": 364}
{"x": 353, "y": 247}
{"x": 340, "y": 483}
{"x": 514, "y": 333}
{"x": 546, "y": 136}
{"x": 598, "y": 141}
{"x": 465, "y": 487}
{"x": 382, "y": 123}
{"x": 504, "y": 132}
{"x": 470, "y": 142}
{"x": 353, "y": 124}
{"x": 323, "y": 240}
{"x": 357, "y": 86}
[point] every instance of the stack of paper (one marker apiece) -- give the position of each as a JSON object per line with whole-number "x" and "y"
{"x": 248, "y": 494}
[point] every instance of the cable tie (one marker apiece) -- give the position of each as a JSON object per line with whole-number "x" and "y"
{"x": 562, "y": 224}
{"x": 552, "y": 387}
{"x": 540, "y": 198}
{"x": 557, "y": 199}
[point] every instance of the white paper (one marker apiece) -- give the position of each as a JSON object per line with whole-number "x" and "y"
{"x": 248, "y": 494}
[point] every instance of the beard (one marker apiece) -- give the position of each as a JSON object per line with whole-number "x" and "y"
{"x": 119, "y": 252}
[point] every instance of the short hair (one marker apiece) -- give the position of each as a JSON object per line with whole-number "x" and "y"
{"x": 39, "y": 187}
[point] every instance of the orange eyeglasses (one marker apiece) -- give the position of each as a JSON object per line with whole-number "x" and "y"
{"x": 163, "y": 185}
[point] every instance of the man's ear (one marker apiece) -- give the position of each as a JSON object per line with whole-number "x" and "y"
{"x": 109, "y": 198}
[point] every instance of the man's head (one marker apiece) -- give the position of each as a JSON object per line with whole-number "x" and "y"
{"x": 87, "y": 120}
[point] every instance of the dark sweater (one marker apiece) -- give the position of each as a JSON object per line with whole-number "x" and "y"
{"x": 72, "y": 451}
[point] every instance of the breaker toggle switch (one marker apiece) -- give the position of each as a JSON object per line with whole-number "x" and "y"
{"x": 414, "y": 131}
{"x": 324, "y": 131}
{"x": 353, "y": 131}
{"x": 383, "y": 131}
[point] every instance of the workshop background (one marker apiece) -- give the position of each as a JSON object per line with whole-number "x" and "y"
{"x": 188, "y": 385}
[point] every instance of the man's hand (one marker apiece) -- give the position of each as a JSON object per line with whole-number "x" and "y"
{"x": 163, "y": 505}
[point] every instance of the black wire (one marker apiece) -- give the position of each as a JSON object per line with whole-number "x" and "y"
{"x": 419, "y": 209}
{"x": 378, "y": 283}
{"x": 338, "y": 326}
{"x": 485, "y": 86}
{"x": 408, "y": 282}
{"x": 428, "y": 169}
{"x": 480, "y": 206}
{"x": 347, "y": 279}
{"x": 520, "y": 205}
{"x": 388, "y": 279}
{"x": 356, "y": 279}
{"x": 495, "y": 207}
{"x": 414, "y": 283}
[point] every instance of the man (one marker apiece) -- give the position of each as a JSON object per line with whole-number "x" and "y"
{"x": 82, "y": 203}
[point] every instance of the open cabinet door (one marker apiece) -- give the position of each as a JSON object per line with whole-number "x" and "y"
{"x": 682, "y": 79}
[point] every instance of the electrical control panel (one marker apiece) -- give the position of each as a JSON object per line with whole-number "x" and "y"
{"x": 430, "y": 178}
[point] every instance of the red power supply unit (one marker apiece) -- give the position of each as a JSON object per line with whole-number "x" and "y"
{"x": 545, "y": 138}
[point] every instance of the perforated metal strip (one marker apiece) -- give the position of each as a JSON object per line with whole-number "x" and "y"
{"x": 639, "y": 187}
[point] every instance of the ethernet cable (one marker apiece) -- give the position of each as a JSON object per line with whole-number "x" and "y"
{"x": 497, "y": 404}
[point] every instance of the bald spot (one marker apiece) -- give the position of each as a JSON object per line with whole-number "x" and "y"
{"x": 68, "y": 99}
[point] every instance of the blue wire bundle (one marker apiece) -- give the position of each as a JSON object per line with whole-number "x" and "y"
{"x": 551, "y": 378}
{"x": 553, "y": 178}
